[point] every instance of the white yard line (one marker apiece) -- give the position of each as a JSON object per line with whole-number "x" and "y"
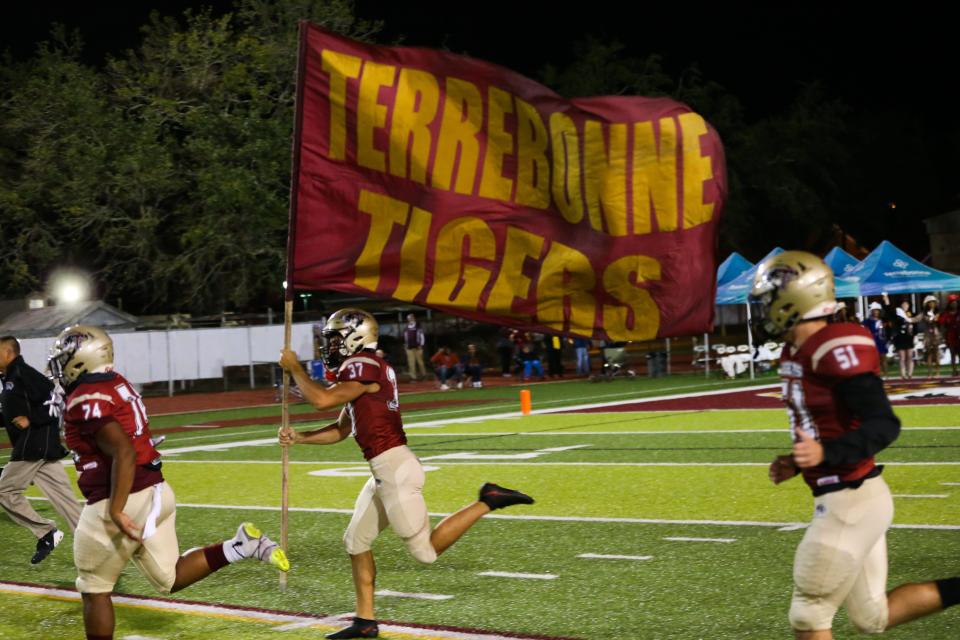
{"x": 521, "y": 576}
{"x": 681, "y": 539}
{"x": 416, "y": 596}
{"x": 524, "y": 463}
{"x": 603, "y": 556}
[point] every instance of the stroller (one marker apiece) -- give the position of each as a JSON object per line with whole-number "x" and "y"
{"x": 614, "y": 364}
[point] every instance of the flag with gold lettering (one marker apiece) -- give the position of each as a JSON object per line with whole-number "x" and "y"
{"x": 453, "y": 183}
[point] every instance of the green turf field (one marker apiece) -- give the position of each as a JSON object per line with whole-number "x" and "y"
{"x": 605, "y": 483}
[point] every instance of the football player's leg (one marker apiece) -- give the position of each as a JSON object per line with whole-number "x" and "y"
{"x": 401, "y": 495}
{"x": 100, "y": 552}
{"x": 369, "y": 519}
{"x": 491, "y": 497}
{"x": 158, "y": 555}
{"x": 915, "y": 600}
{"x": 829, "y": 559}
{"x": 867, "y": 601}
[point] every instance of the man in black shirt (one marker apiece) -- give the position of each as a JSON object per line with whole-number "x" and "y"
{"x": 31, "y": 414}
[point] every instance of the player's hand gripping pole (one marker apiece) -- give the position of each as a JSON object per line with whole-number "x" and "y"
{"x": 285, "y": 449}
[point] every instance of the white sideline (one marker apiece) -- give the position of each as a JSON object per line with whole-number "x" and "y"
{"x": 723, "y": 523}
{"x": 291, "y": 620}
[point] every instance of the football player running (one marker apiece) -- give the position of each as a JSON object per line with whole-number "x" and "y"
{"x": 131, "y": 511}
{"x": 367, "y": 387}
{"x": 840, "y": 418}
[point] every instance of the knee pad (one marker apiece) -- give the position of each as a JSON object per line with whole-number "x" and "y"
{"x": 811, "y": 613}
{"x": 819, "y": 570}
{"x": 354, "y": 545}
{"x": 422, "y": 551}
{"x": 869, "y": 617}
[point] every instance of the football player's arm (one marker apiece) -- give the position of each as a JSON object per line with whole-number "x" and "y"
{"x": 782, "y": 469}
{"x": 863, "y": 396}
{"x": 114, "y": 442}
{"x": 331, "y": 434}
{"x": 318, "y": 395}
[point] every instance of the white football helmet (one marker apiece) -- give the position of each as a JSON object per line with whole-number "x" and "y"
{"x": 347, "y": 332}
{"x": 80, "y": 349}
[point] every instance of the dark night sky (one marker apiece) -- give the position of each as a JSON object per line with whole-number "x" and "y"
{"x": 870, "y": 59}
{"x": 883, "y": 64}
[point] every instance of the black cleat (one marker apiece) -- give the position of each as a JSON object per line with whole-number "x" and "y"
{"x": 496, "y": 497}
{"x": 46, "y": 544}
{"x": 361, "y": 628}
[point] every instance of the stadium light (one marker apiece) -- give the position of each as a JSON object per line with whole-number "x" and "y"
{"x": 69, "y": 287}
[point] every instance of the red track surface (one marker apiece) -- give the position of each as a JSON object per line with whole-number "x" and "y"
{"x": 942, "y": 391}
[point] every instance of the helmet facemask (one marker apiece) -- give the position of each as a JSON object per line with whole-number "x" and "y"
{"x": 333, "y": 348}
{"x": 761, "y": 300}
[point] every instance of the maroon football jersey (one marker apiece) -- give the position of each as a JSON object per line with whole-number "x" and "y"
{"x": 375, "y": 417}
{"x": 97, "y": 400}
{"x": 810, "y": 375}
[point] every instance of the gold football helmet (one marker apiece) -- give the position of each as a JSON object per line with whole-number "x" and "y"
{"x": 789, "y": 288}
{"x": 348, "y": 331}
{"x": 80, "y": 349}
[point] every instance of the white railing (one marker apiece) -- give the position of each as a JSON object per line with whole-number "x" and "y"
{"x": 188, "y": 354}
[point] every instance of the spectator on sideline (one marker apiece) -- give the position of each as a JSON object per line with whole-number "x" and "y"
{"x": 903, "y": 322}
{"x": 413, "y": 341}
{"x": 581, "y": 347}
{"x": 505, "y": 350}
{"x": 446, "y": 365}
{"x": 950, "y": 327}
{"x": 530, "y": 356}
{"x": 554, "y": 348}
{"x": 472, "y": 366}
{"x": 878, "y": 328}
{"x": 931, "y": 334}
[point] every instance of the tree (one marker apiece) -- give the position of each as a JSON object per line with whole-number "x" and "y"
{"x": 167, "y": 172}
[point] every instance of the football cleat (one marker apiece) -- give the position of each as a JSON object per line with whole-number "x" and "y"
{"x": 497, "y": 497}
{"x": 251, "y": 543}
{"x": 46, "y": 544}
{"x": 360, "y": 628}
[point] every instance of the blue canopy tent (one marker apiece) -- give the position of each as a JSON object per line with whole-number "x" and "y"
{"x": 889, "y": 270}
{"x": 733, "y": 266}
{"x": 737, "y": 291}
{"x": 843, "y": 263}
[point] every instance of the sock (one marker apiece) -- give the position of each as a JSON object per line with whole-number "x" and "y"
{"x": 216, "y": 555}
{"x": 91, "y": 636}
{"x": 949, "y": 591}
{"x": 363, "y": 622}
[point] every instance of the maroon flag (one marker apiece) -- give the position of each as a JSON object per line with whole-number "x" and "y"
{"x": 456, "y": 184}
